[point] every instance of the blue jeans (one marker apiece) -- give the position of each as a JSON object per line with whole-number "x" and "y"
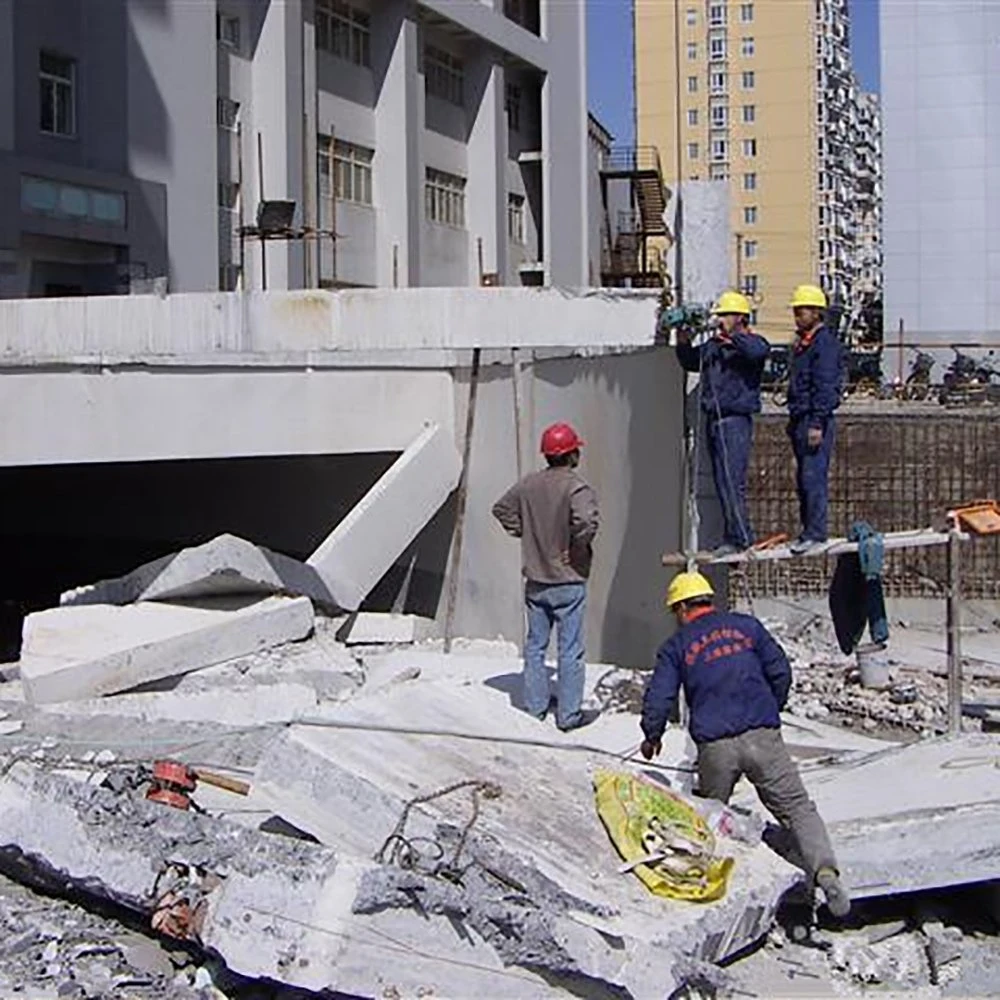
{"x": 729, "y": 442}
{"x": 560, "y": 604}
{"x": 812, "y": 475}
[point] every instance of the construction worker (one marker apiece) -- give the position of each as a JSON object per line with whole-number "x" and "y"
{"x": 814, "y": 384}
{"x": 736, "y": 680}
{"x": 554, "y": 513}
{"x": 730, "y": 364}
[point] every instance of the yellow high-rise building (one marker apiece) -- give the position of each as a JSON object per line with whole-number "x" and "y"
{"x": 761, "y": 95}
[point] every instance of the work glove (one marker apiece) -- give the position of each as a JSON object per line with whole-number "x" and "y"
{"x": 650, "y": 749}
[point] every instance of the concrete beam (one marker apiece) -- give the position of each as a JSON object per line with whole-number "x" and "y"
{"x": 83, "y": 652}
{"x": 363, "y": 547}
{"x": 224, "y": 567}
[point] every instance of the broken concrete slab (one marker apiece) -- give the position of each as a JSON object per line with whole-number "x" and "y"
{"x": 348, "y": 786}
{"x": 366, "y": 543}
{"x": 303, "y": 915}
{"x": 225, "y": 566}
{"x": 80, "y": 652}
{"x": 371, "y": 628}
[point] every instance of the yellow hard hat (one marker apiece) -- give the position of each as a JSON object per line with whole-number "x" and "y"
{"x": 808, "y": 295}
{"x": 686, "y": 587}
{"x": 731, "y": 302}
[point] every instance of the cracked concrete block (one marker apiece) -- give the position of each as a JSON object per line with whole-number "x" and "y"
{"x": 364, "y": 546}
{"x": 83, "y": 652}
{"x": 225, "y": 566}
{"x": 376, "y": 628}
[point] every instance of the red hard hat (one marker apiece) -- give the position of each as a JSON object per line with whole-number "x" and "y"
{"x": 560, "y": 439}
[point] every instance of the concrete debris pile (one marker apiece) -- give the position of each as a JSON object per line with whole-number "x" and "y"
{"x": 350, "y": 810}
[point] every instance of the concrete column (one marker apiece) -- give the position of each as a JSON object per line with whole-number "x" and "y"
{"x": 310, "y": 115}
{"x": 486, "y": 190}
{"x": 399, "y": 125}
{"x": 564, "y": 147}
{"x": 277, "y": 118}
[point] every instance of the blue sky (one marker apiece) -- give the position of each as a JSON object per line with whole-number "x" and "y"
{"x": 609, "y": 58}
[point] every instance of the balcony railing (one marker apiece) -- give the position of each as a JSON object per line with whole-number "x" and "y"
{"x": 633, "y": 159}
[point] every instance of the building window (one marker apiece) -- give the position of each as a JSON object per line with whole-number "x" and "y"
{"x": 746, "y": 13}
{"x": 512, "y": 105}
{"x": 692, "y": 117}
{"x": 717, "y": 48}
{"x": 720, "y": 149}
{"x": 444, "y": 198}
{"x": 746, "y": 47}
{"x": 749, "y": 182}
{"x": 69, "y": 201}
{"x": 717, "y": 172}
{"x": 692, "y": 85}
{"x": 753, "y": 317}
{"x": 692, "y": 17}
{"x": 227, "y": 113}
{"x": 444, "y": 75}
{"x": 692, "y": 151}
{"x": 750, "y": 147}
{"x": 227, "y": 31}
{"x": 749, "y": 114}
{"x": 344, "y": 31}
{"x": 349, "y": 171}
{"x": 750, "y": 284}
{"x": 716, "y": 14}
{"x": 515, "y": 218}
{"x": 748, "y": 79}
{"x": 720, "y": 115}
{"x": 717, "y": 82}
{"x": 750, "y": 215}
{"x": 57, "y": 76}
{"x": 692, "y": 50}
{"x": 750, "y": 249}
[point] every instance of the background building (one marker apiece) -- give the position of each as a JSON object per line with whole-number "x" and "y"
{"x": 941, "y": 140}
{"x": 440, "y": 139}
{"x": 760, "y": 95}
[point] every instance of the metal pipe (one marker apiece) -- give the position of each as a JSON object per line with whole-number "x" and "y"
{"x": 954, "y": 595}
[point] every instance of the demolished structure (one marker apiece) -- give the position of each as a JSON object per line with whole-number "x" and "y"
{"x": 240, "y": 768}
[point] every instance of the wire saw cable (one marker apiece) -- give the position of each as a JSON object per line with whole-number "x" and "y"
{"x": 524, "y": 741}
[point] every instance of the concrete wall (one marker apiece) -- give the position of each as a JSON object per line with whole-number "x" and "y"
{"x": 941, "y": 157}
{"x": 627, "y": 409}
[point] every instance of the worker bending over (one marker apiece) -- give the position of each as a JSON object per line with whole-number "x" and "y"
{"x": 736, "y": 680}
{"x": 731, "y": 364}
{"x": 554, "y": 513}
{"x": 814, "y": 384}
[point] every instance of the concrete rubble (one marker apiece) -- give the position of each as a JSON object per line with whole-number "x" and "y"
{"x": 409, "y": 832}
{"x": 225, "y": 566}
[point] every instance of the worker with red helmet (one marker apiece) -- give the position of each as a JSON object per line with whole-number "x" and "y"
{"x": 554, "y": 513}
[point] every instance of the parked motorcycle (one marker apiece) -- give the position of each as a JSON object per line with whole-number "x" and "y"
{"x": 918, "y": 382}
{"x": 965, "y": 382}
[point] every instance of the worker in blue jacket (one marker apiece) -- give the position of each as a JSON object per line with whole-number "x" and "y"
{"x": 814, "y": 384}
{"x": 731, "y": 364}
{"x": 736, "y": 680}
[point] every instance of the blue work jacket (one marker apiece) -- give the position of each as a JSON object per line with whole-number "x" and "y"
{"x": 816, "y": 377}
{"x": 735, "y": 678}
{"x": 731, "y": 370}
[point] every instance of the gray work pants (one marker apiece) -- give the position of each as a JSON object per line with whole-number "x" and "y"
{"x": 762, "y": 756}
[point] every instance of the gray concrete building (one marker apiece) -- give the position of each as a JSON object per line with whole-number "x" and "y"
{"x": 941, "y": 164}
{"x": 438, "y": 139}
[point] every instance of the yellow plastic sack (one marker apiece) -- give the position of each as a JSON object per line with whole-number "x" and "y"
{"x": 643, "y": 819}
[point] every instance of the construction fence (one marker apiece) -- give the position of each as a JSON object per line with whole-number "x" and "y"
{"x": 896, "y": 470}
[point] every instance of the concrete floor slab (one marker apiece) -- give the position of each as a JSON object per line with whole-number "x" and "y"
{"x": 91, "y": 650}
{"x": 359, "y": 551}
{"x": 225, "y": 566}
{"x": 369, "y": 628}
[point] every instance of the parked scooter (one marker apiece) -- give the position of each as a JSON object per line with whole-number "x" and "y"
{"x": 965, "y": 382}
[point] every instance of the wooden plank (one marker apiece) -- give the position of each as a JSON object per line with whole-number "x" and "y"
{"x": 918, "y": 539}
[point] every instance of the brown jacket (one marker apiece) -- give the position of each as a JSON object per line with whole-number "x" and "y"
{"x": 554, "y": 513}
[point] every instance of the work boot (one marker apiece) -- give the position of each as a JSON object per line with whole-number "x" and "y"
{"x": 837, "y": 899}
{"x": 803, "y": 546}
{"x": 581, "y": 719}
{"x": 725, "y": 549}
